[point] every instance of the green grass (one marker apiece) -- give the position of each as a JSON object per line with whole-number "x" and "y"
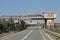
{"x": 9, "y": 33}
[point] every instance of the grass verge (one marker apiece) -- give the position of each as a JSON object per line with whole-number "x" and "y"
{"x": 9, "y": 33}
{"x": 51, "y": 35}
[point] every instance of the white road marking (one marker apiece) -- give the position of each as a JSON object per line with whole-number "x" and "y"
{"x": 42, "y": 35}
{"x": 3, "y": 38}
{"x": 47, "y": 35}
{"x": 27, "y": 35}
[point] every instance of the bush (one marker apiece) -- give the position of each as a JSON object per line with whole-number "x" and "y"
{"x": 4, "y": 26}
{"x": 23, "y": 25}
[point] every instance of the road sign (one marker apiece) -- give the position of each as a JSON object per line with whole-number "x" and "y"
{"x": 50, "y": 22}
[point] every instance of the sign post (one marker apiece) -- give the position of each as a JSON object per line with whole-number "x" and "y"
{"x": 50, "y": 23}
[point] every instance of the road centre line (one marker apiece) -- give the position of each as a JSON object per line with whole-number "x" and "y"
{"x": 27, "y": 35}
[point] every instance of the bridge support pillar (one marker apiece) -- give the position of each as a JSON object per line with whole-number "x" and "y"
{"x": 45, "y": 25}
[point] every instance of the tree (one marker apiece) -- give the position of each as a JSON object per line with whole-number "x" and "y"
{"x": 12, "y": 24}
{"x": 11, "y": 21}
{"x": 4, "y": 26}
{"x": 23, "y": 25}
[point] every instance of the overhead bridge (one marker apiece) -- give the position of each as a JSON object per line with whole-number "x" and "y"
{"x": 43, "y": 16}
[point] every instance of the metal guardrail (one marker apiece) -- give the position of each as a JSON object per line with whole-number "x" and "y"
{"x": 57, "y": 34}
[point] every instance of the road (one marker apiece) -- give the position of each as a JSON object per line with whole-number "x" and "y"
{"x": 31, "y": 33}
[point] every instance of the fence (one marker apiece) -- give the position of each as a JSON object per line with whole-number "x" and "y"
{"x": 55, "y": 28}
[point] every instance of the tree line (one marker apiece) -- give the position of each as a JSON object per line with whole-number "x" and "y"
{"x": 7, "y": 26}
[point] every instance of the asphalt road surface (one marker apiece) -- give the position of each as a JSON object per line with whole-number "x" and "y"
{"x": 31, "y": 33}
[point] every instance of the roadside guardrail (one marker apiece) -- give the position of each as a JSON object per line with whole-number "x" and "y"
{"x": 57, "y": 34}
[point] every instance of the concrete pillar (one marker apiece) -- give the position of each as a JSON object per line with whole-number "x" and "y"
{"x": 45, "y": 23}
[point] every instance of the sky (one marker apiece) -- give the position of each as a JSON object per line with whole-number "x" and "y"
{"x": 17, "y": 7}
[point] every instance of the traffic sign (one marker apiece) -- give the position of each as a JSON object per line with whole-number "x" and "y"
{"x": 50, "y": 22}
